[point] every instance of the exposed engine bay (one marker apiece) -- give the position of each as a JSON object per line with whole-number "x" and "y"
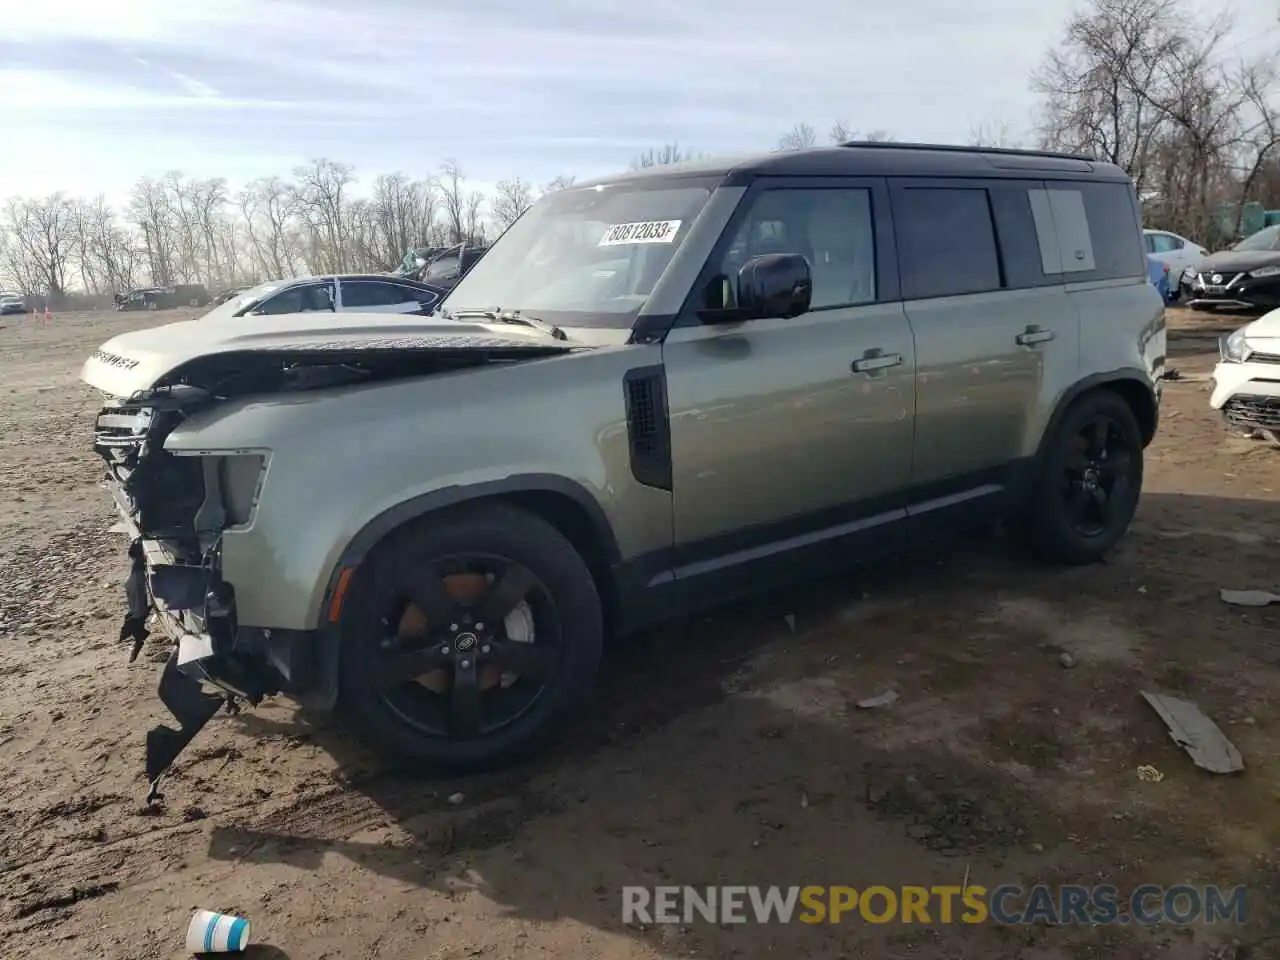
{"x": 176, "y": 506}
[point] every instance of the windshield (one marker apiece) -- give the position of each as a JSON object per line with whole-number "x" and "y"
{"x": 586, "y": 257}
{"x": 1266, "y": 239}
{"x": 241, "y": 300}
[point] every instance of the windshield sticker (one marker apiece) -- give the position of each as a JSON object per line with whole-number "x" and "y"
{"x": 646, "y": 231}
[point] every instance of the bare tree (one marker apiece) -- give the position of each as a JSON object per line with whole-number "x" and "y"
{"x": 363, "y": 239}
{"x": 473, "y": 220}
{"x": 208, "y": 200}
{"x": 84, "y": 241}
{"x": 841, "y": 132}
{"x": 513, "y": 198}
{"x": 799, "y": 137}
{"x": 113, "y": 246}
{"x": 320, "y": 192}
{"x": 151, "y": 212}
{"x": 1200, "y": 98}
{"x": 998, "y": 134}
{"x": 1143, "y": 84}
{"x": 667, "y": 154}
{"x": 268, "y": 206}
{"x": 453, "y": 198}
{"x": 42, "y": 242}
{"x": 399, "y": 204}
{"x": 1261, "y": 137}
{"x": 561, "y": 182}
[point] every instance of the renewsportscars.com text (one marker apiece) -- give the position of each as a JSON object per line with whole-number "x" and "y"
{"x": 1006, "y": 904}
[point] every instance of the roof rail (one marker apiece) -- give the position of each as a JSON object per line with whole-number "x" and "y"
{"x": 951, "y": 148}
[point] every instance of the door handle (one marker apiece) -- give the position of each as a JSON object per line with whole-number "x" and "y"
{"x": 875, "y": 360}
{"x": 1033, "y": 335}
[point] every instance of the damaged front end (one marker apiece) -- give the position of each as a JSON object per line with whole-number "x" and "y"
{"x": 175, "y": 508}
{"x": 179, "y": 505}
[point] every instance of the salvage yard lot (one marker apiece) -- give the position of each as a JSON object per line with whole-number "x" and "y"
{"x": 722, "y": 751}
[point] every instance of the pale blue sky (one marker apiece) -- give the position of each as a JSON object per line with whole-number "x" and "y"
{"x": 95, "y": 93}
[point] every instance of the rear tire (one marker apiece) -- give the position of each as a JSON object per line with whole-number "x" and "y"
{"x": 404, "y": 720}
{"x": 1090, "y": 480}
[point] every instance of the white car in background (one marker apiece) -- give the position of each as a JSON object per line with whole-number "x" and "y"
{"x": 1177, "y": 253}
{"x": 1246, "y": 381}
{"x": 366, "y": 293}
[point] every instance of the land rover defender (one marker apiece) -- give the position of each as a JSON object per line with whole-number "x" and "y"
{"x": 655, "y": 392}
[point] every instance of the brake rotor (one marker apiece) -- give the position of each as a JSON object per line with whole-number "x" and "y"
{"x": 467, "y": 588}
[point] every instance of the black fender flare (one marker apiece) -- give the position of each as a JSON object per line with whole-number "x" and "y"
{"x": 323, "y": 692}
{"x": 1131, "y": 377}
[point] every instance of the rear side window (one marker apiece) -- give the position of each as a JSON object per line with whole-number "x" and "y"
{"x": 946, "y": 242}
{"x": 297, "y": 300}
{"x": 370, "y": 293}
{"x": 288, "y": 302}
{"x": 1088, "y": 231}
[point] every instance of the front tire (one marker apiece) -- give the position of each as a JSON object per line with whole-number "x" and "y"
{"x": 1089, "y": 484}
{"x": 468, "y": 638}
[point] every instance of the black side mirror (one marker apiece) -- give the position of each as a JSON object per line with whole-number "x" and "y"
{"x": 770, "y": 285}
{"x": 775, "y": 285}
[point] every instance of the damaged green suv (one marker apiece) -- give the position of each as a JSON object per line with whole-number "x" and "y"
{"x": 654, "y": 393}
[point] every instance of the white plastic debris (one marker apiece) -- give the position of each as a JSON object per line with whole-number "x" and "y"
{"x": 881, "y": 700}
{"x": 1249, "y": 598}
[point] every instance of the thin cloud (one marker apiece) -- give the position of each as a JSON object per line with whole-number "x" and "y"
{"x": 505, "y": 86}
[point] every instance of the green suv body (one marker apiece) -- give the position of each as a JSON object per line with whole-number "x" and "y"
{"x": 654, "y": 393}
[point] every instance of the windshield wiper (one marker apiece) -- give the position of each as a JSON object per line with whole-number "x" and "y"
{"x": 506, "y": 316}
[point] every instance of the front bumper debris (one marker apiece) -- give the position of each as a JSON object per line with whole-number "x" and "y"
{"x": 193, "y": 708}
{"x": 174, "y": 512}
{"x": 190, "y": 664}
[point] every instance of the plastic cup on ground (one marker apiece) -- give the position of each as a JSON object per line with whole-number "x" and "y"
{"x": 211, "y": 932}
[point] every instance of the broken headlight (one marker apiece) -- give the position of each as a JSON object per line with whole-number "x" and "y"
{"x": 240, "y": 477}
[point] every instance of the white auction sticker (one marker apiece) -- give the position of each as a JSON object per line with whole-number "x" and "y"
{"x": 645, "y": 231}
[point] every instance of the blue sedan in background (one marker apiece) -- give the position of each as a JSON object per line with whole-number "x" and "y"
{"x": 1158, "y": 274}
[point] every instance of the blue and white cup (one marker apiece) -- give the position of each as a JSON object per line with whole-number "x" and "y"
{"x": 211, "y": 932}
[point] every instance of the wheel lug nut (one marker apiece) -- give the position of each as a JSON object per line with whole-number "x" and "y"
{"x": 485, "y": 648}
{"x": 453, "y": 626}
{"x": 465, "y": 664}
{"x": 479, "y": 626}
{"x": 445, "y": 651}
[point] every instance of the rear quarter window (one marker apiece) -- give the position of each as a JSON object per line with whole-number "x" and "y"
{"x": 1095, "y": 230}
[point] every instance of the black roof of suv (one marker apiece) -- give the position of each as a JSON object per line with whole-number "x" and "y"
{"x": 878, "y": 159}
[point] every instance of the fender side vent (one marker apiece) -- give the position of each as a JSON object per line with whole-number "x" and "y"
{"x": 648, "y": 428}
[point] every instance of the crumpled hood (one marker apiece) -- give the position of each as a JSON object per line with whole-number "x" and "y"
{"x": 142, "y": 359}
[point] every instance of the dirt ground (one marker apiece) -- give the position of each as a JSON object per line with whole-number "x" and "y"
{"x": 727, "y": 750}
